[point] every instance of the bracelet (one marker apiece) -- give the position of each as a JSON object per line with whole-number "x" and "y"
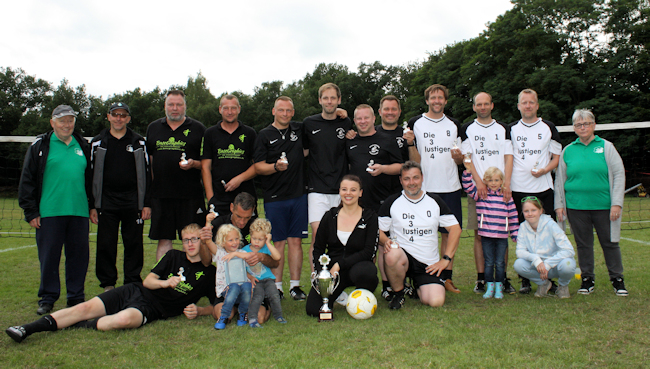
{"x": 446, "y": 257}
{"x": 275, "y": 166}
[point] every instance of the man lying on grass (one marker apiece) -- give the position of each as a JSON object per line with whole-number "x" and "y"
{"x": 175, "y": 284}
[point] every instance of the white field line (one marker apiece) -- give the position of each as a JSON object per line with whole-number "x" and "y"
{"x": 18, "y": 248}
{"x": 633, "y": 240}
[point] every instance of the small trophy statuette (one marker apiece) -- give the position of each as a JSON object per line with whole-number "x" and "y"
{"x": 324, "y": 283}
{"x": 183, "y": 159}
{"x": 535, "y": 170}
{"x": 468, "y": 158}
{"x": 371, "y": 163}
{"x": 181, "y": 270}
{"x": 393, "y": 242}
{"x": 405, "y": 127}
{"x": 455, "y": 147}
{"x": 212, "y": 211}
{"x": 223, "y": 183}
{"x": 283, "y": 158}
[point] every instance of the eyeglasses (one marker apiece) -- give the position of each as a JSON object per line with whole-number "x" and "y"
{"x": 580, "y": 125}
{"x": 115, "y": 115}
{"x": 193, "y": 240}
{"x": 529, "y": 198}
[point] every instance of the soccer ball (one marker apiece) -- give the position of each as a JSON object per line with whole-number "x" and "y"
{"x": 361, "y": 304}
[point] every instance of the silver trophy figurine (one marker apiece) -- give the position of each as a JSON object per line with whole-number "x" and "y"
{"x": 183, "y": 159}
{"x": 324, "y": 283}
{"x": 283, "y": 158}
{"x": 393, "y": 242}
{"x": 535, "y": 170}
{"x": 371, "y": 163}
{"x": 212, "y": 210}
{"x": 405, "y": 127}
{"x": 455, "y": 147}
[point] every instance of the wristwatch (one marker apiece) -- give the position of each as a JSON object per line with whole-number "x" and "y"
{"x": 446, "y": 257}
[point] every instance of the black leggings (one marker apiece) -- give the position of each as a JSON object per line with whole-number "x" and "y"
{"x": 362, "y": 275}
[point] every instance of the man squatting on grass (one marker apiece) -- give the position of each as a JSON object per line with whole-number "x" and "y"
{"x": 173, "y": 287}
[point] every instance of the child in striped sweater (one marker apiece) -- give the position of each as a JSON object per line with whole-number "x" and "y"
{"x": 496, "y": 218}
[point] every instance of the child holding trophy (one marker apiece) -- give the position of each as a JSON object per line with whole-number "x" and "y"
{"x": 263, "y": 278}
{"x": 496, "y": 218}
{"x": 232, "y": 282}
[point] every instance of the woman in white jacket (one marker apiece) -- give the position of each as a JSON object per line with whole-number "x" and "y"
{"x": 543, "y": 250}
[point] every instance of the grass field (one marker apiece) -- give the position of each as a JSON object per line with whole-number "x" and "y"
{"x": 599, "y": 330}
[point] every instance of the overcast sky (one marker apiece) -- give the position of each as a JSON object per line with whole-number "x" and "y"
{"x": 115, "y": 46}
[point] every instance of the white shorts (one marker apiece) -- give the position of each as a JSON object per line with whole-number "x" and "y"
{"x": 319, "y": 203}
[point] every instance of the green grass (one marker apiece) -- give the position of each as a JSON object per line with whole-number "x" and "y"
{"x": 599, "y": 330}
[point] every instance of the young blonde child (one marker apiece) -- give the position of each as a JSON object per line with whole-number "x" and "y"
{"x": 496, "y": 218}
{"x": 264, "y": 280}
{"x": 228, "y": 241}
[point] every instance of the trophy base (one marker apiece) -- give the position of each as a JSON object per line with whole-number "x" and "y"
{"x": 325, "y": 317}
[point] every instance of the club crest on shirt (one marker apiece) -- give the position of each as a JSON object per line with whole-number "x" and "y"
{"x": 293, "y": 136}
{"x": 373, "y": 149}
{"x": 400, "y": 142}
{"x": 340, "y": 133}
{"x": 599, "y": 150}
{"x": 186, "y": 132}
{"x": 79, "y": 152}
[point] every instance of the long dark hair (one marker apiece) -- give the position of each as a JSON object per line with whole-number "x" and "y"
{"x": 353, "y": 178}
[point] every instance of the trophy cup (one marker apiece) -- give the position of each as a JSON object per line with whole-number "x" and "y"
{"x": 371, "y": 163}
{"x": 393, "y": 242}
{"x": 283, "y": 158}
{"x": 405, "y": 127}
{"x": 468, "y": 158}
{"x": 455, "y": 147}
{"x": 535, "y": 170}
{"x": 324, "y": 283}
{"x": 183, "y": 159}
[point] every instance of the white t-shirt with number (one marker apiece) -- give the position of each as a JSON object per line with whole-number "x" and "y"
{"x": 415, "y": 223}
{"x": 533, "y": 144}
{"x": 489, "y": 144}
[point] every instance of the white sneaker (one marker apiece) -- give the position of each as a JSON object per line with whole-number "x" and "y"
{"x": 342, "y": 299}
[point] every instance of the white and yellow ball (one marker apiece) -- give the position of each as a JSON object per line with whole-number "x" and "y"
{"x": 361, "y": 304}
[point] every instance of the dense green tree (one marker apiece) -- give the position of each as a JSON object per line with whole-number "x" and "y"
{"x": 19, "y": 93}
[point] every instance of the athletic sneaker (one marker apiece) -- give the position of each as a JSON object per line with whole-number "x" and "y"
{"x": 563, "y": 292}
{"x": 408, "y": 290}
{"x": 479, "y": 286}
{"x": 387, "y": 293}
{"x": 587, "y": 286}
{"x": 525, "y": 286}
{"x": 281, "y": 320}
{"x": 542, "y": 289}
{"x": 297, "y": 294}
{"x": 397, "y": 301}
{"x": 281, "y": 293}
{"x": 619, "y": 286}
{"x": 255, "y": 324}
{"x": 17, "y": 333}
{"x": 342, "y": 299}
{"x": 242, "y": 319}
{"x": 44, "y": 308}
{"x": 507, "y": 287}
{"x": 221, "y": 323}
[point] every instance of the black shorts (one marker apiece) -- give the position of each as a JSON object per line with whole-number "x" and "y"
{"x": 129, "y": 296}
{"x": 417, "y": 272}
{"x": 170, "y": 216}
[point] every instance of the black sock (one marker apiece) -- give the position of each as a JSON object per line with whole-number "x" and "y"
{"x": 385, "y": 284}
{"x": 45, "y": 323}
{"x": 90, "y": 324}
{"x": 480, "y": 276}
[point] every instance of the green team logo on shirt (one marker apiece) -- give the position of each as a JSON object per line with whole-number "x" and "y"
{"x": 198, "y": 275}
{"x": 182, "y": 287}
{"x": 186, "y": 132}
{"x": 170, "y": 144}
{"x": 242, "y": 137}
{"x": 230, "y": 153}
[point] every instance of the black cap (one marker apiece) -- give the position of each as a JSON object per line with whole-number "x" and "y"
{"x": 62, "y": 111}
{"x": 119, "y": 105}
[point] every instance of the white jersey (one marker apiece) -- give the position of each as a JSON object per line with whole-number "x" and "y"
{"x": 533, "y": 144}
{"x": 415, "y": 223}
{"x": 434, "y": 139}
{"x": 488, "y": 144}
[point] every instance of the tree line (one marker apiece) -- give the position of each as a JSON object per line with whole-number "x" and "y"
{"x": 574, "y": 53}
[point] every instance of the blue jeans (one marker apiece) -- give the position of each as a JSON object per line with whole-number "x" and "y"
{"x": 236, "y": 293}
{"x": 563, "y": 271}
{"x": 494, "y": 252}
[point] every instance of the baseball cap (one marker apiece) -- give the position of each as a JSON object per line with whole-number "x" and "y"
{"x": 62, "y": 111}
{"x": 119, "y": 105}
